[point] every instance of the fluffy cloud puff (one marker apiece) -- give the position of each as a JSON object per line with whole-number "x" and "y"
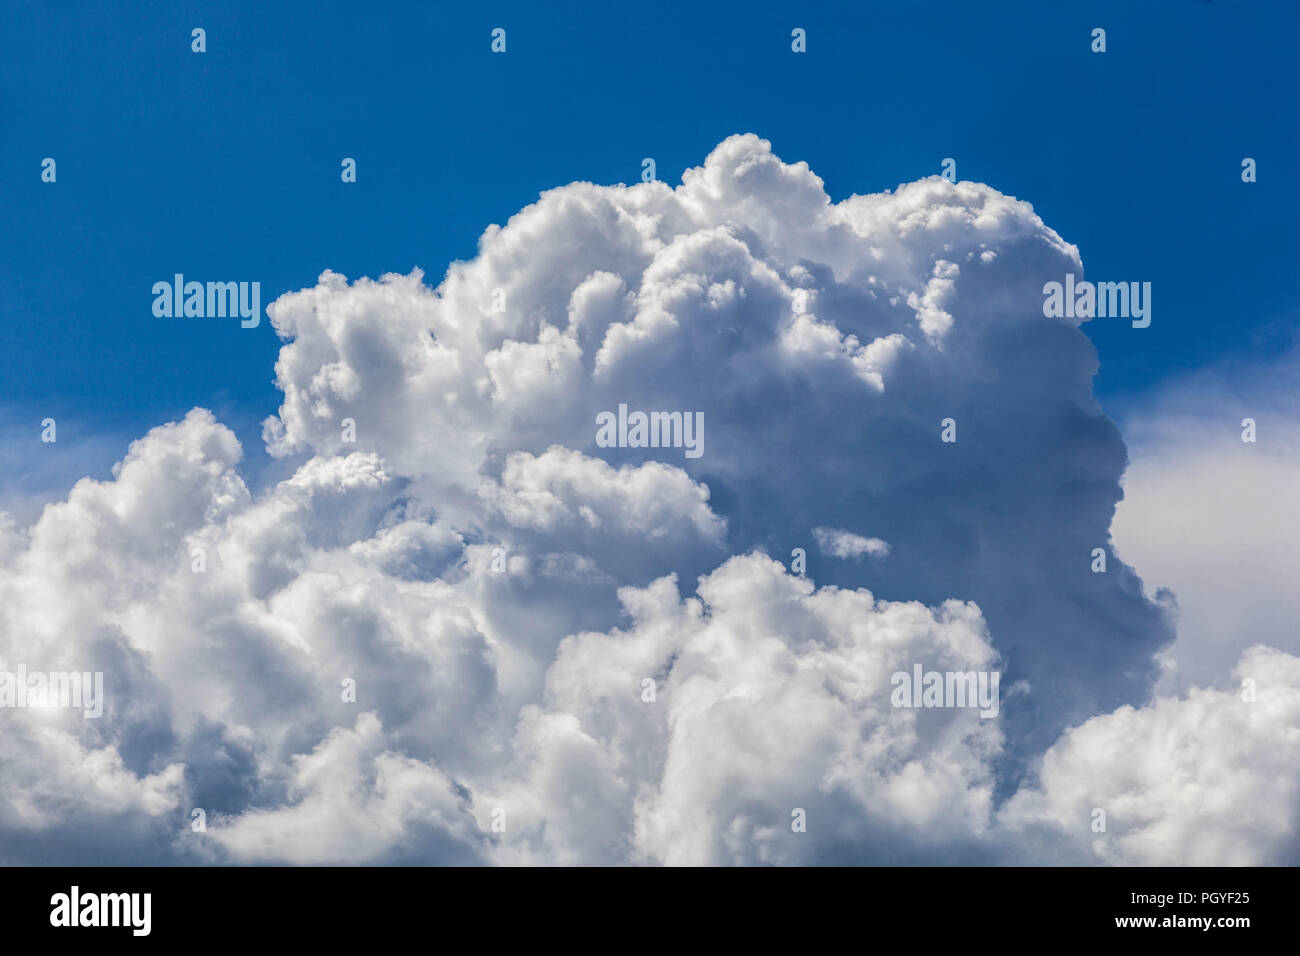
{"x": 694, "y": 735}
{"x": 497, "y": 587}
{"x": 1207, "y": 780}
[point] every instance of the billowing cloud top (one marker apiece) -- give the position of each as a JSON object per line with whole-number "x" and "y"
{"x": 468, "y": 629}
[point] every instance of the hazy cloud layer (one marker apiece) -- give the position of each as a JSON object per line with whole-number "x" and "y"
{"x": 1217, "y": 519}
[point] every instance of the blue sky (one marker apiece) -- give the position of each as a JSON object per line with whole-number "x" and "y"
{"x": 225, "y": 165}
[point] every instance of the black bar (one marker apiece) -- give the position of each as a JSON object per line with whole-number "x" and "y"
{"x": 639, "y": 907}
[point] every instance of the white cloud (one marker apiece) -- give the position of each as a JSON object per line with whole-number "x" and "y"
{"x": 1207, "y": 780}
{"x": 845, "y": 544}
{"x": 561, "y": 490}
{"x": 350, "y": 800}
{"x": 768, "y": 696}
{"x": 498, "y": 586}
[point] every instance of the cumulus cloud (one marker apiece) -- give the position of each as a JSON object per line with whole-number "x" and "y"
{"x": 845, "y": 544}
{"x": 822, "y": 342}
{"x": 696, "y": 733}
{"x": 462, "y": 630}
{"x": 1206, "y": 780}
{"x": 351, "y": 799}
